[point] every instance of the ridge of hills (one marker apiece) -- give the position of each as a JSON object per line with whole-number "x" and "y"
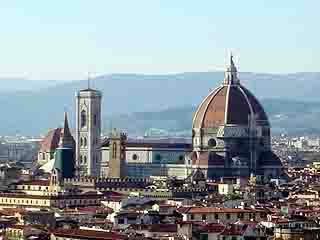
{"x": 138, "y": 102}
{"x": 20, "y": 84}
{"x": 285, "y": 116}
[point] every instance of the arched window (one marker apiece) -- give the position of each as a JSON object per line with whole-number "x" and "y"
{"x": 83, "y": 118}
{"x": 85, "y": 141}
{"x": 85, "y": 159}
{"x": 81, "y": 142}
{"x": 212, "y": 142}
{"x": 81, "y": 160}
{"x": 114, "y": 150}
{"x": 43, "y": 156}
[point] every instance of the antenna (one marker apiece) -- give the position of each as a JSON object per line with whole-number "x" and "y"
{"x": 230, "y": 55}
{"x": 88, "y": 80}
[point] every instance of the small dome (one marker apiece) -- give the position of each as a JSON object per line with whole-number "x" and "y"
{"x": 51, "y": 141}
{"x": 58, "y": 137}
{"x": 229, "y": 104}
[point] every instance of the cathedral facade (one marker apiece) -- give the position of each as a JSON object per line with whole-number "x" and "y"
{"x": 144, "y": 158}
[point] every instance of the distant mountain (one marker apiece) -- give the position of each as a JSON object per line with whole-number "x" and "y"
{"x": 16, "y": 85}
{"x": 287, "y": 116}
{"x": 36, "y": 110}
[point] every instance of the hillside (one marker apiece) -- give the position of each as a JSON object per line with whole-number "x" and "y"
{"x": 285, "y": 116}
{"x": 34, "y": 111}
{"x": 16, "y": 84}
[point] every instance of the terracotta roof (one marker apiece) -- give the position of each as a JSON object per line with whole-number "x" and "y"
{"x": 51, "y": 141}
{"x": 204, "y": 159}
{"x": 12, "y": 211}
{"x": 213, "y": 228}
{"x": 246, "y": 222}
{"x": 214, "y": 113}
{"x": 183, "y": 209}
{"x": 163, "y": 228}
{"x": 228, "y": 104}
{"x": 202, "y": 109}
{"x": 95, "y": 209}
{"x": 222, "y": 210}
{"x": 88, "y": 234}
{"x": 234, "y": 230}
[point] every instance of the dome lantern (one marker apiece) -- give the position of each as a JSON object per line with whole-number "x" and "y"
{"x": 230, "y": 76}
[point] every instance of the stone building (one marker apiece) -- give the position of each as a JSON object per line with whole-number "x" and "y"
{"x": 117, "y": 155}
{"x": 142, "y": 158}
{"x": 224, "y": 215}
{"x": 88, "y": 132}
{"x": 231, "y": 133}
{"x": 53, "y": 192}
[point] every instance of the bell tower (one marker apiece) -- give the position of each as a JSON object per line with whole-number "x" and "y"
{"x": 117, "y": 154}
{"x": 88, "y": 132}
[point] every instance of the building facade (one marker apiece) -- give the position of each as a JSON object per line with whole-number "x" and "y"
{"x": 148, "y": 157}
{"x": 88, "y": 132}
{"x": 117, "y": 155}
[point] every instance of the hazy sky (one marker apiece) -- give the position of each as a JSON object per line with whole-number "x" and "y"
{"x": 64, "y": 39}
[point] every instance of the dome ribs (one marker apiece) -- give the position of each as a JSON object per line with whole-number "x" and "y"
{"x": 215, "y": 113}
{"x": 197, "y": 120}
{"x": 257, "y": 107}
{"x": 238, "y": 108}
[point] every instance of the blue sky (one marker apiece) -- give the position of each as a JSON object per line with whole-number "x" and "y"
{"x": 66, "y": 39}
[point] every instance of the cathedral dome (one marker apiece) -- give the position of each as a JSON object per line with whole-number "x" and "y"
{"x": 230, "y": 104}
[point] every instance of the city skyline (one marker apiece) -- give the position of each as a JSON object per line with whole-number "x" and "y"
{"x": 66, "y": 40}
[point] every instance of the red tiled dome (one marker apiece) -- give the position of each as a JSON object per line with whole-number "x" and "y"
{"x": 229, "y": 104}
{"x": 51, "y": 141}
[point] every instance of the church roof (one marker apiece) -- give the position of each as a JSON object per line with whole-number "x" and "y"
{"x": 51, "y": 141}
{"x": 206, "y": 159}
{"x": 229, "y": 104}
